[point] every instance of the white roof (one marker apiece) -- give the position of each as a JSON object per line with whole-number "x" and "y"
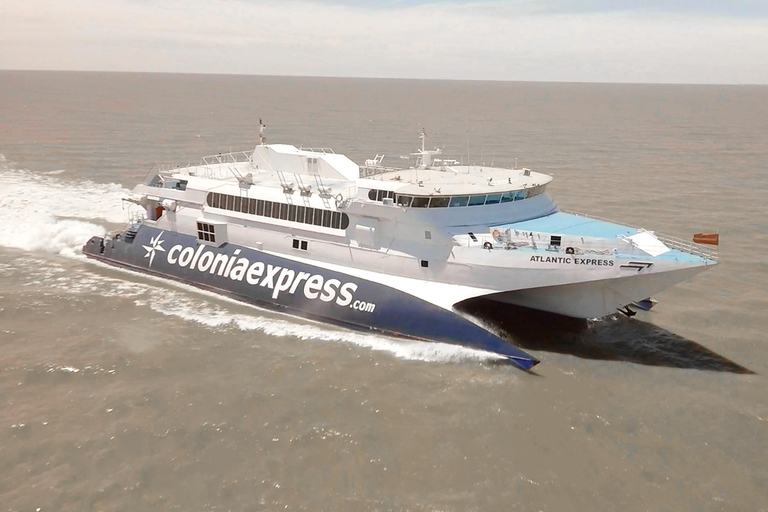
{"x": 458, "y": 180}
{"x": 289, "y": 159}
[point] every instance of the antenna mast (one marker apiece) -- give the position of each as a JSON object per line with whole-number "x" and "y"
{"x": 262, "y": 139}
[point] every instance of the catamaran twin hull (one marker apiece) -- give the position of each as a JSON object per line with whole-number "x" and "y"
{"x": 397, "y": 250}
{"x": 298, "y": 288}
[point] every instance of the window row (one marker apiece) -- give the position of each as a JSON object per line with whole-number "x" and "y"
{"x": 275, "y": 210}
{"x": 455, "y": 201}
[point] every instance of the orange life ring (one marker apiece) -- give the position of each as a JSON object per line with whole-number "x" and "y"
{"x": 496, "y": 234}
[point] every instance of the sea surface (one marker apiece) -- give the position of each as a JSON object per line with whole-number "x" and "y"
{"x": 122, "y": 392}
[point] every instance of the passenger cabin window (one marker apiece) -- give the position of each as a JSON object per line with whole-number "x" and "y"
{"x": 206, "y": 232}
{"x": 380, "y": 195}
{"x": 275, "y": 210}
{"x": 301, "y": 245}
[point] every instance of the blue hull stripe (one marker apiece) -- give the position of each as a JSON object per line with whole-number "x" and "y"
{"x": 298, "y": 288}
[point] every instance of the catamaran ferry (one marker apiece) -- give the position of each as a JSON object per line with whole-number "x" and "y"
{"x": 397, "y": 250}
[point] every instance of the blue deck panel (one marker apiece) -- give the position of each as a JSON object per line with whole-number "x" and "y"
{"x": 560, "y": 223}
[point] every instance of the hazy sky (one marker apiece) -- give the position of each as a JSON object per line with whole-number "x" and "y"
{"x": 690, "y": 41}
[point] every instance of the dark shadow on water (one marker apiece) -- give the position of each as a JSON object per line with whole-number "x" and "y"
{"x": 614, "y": 338}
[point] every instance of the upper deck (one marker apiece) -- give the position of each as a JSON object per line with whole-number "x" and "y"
{"x": 458, "y": 180}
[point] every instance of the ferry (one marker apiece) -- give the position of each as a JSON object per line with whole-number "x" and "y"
{"x": 392, "y": 249}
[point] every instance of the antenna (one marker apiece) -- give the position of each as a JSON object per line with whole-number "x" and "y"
{"x": 262, "y": 139}
{"x": 467, "y": 146}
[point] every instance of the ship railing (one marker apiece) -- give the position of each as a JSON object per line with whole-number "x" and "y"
{"x": 227, "y": 158}
{"x": 541, "y": 242}
{"x": 222, "y": 166}
{"x": 159, "y": 172}
{"x": 325, "y": 151}
{"x": 689, "y": 247}
{"x": 371, "y": 171}
{"x": 345, "y": 197}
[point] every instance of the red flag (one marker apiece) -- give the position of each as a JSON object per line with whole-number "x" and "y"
{"x": 709, "y": 239}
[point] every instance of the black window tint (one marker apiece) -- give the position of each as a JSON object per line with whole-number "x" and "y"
{"x": 476, "y": 200}
{"x": 439, "y": 202}
{"x": 420, "y": 202}
{"x": 459, "y": 201}
{"x": 344, "y": 221}
{"x": 493, "y": 199}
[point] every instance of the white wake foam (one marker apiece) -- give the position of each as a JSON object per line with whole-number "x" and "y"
{"x": 47, "y": 213}
{"x": 213, "y": 316}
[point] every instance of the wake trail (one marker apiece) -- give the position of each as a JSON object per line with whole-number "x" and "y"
{"x": 45, "y": 212}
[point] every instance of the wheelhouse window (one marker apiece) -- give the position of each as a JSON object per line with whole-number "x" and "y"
{"x": 493, "y": 199}
{"x": 401, "y": 200}
{"x": 459, "y": 201}
{"x": 476, "y": 200}
{"x": 439, "y": 202}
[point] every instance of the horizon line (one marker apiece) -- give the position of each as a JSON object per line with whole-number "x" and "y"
{"x": 337, "y": 77}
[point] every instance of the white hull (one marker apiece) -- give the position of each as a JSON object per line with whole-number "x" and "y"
{"x": 595, "y": 299}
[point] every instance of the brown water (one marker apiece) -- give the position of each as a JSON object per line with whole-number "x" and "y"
{"x": 120, "y": 392}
